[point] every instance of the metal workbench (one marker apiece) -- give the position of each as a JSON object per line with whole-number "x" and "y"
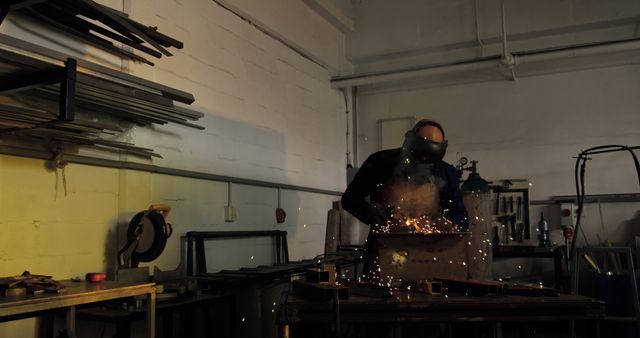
{"x": 218, "y": 324}
{"x": 415, "y": 308}
{"x": 78, "y": 293}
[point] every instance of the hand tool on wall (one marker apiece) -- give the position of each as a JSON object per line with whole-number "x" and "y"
{"x": 511, "y": 204}
{"x": 504, "y": 204}
{"x": 519, "y": 209}
{"x": 496, "y": 235}
{"x": 520, "y": 228}
{"x": 497, "y": 211}
{"x": 504, "y": 224}
{"x": 512, "y": 227}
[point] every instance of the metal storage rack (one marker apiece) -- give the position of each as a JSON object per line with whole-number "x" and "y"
{"x": 46, "y": 95}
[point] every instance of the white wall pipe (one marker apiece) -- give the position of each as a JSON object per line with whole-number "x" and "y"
{"x": 505, "y": 50}
{"x": 542, "y": 56}
{"x": 606, "y": 48}
{"x": 361, "y": 80}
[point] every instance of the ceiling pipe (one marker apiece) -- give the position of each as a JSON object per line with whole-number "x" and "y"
{"x": 374, "y": 78}
{"x": 478, "y": 39}
{"x": 578, "y": 51}
{"x": 507, "y": 58}
{"x": 493, "y": 62}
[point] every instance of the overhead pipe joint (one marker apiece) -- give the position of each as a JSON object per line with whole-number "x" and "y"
{"x": 508, "y": 60}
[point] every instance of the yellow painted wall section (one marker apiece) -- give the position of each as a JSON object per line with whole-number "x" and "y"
{"x": 44, "y": 231}
{"x": 47, "y": 231}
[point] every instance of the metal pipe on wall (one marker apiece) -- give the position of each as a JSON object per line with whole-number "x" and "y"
{"x": 99, "y": 162}
{"x": 575, "y": 51}
{"x": 477, "y": 21}
{"x": 507, "y": 58}
{"x": 505, "y": 51}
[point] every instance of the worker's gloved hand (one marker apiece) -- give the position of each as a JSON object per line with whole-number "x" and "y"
{"x": 378, "y": 216}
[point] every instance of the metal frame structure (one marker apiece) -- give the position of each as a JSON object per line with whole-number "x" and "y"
{"x": 198, "y": 237}
{"x": 13, "y": 308}
{"x": 628, "y": 254}
{"x": 411, "y": 308}
{"x": 519, "y": 251}
{"x": 283, "y": 268}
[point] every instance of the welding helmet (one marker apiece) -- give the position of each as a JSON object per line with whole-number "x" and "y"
{"x": 421, "y": 149}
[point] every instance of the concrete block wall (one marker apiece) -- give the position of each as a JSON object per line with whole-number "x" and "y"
{"x": 531, "y": 129}
{"x": 273, "y": 114}
{"x": 269, "y": 115}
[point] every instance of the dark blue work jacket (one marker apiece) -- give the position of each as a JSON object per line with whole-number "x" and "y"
{"x": 378, "y": 169}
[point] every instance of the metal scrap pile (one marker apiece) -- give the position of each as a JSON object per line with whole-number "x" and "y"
{"x": 29, "y": 284}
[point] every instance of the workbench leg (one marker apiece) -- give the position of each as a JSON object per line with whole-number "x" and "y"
{"x": 167, "y": 325}
{"x": 209, "y": 327}
{"x": 285, "y": 331}
{"x": 188, "y": 322}
{"x": 45, "y": 329}
{"x": 123, "y": 329}
{"x": 558, "y": 258}
{"x": 497, "y": 330}
{"x": 151, "y": 314}
{"x": 572, "y": 329}
{"x": 394, "y": 331}
{"x": 71, "y": 321}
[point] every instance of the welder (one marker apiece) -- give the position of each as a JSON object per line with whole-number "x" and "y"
{"x": 407, "y": 183}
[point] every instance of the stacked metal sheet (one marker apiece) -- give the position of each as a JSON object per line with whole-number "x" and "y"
{"x": 105, "y": 101}
{"x": 270, "y": 272}
{"x": 97, "y": 25}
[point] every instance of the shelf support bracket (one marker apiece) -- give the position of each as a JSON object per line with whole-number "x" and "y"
{"x": 67, "y": 99}
{"x": 66, "y": 77}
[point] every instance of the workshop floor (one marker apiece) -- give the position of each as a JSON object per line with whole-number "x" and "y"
{"x": 464, "y": 330}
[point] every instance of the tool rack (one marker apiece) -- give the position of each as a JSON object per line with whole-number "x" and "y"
{"x": 510, "y": 209}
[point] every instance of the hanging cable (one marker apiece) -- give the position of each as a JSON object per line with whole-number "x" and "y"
{"x": 579, "y": 172}
{"x": 346, "y": 111}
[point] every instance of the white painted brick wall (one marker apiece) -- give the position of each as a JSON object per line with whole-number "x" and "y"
{"x": 270, "y": 112}
{"x": 270, "y": 115}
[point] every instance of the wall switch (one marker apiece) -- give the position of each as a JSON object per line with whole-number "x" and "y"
{"x": 230, "y": 214}
{"x": 569, "y": 214}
